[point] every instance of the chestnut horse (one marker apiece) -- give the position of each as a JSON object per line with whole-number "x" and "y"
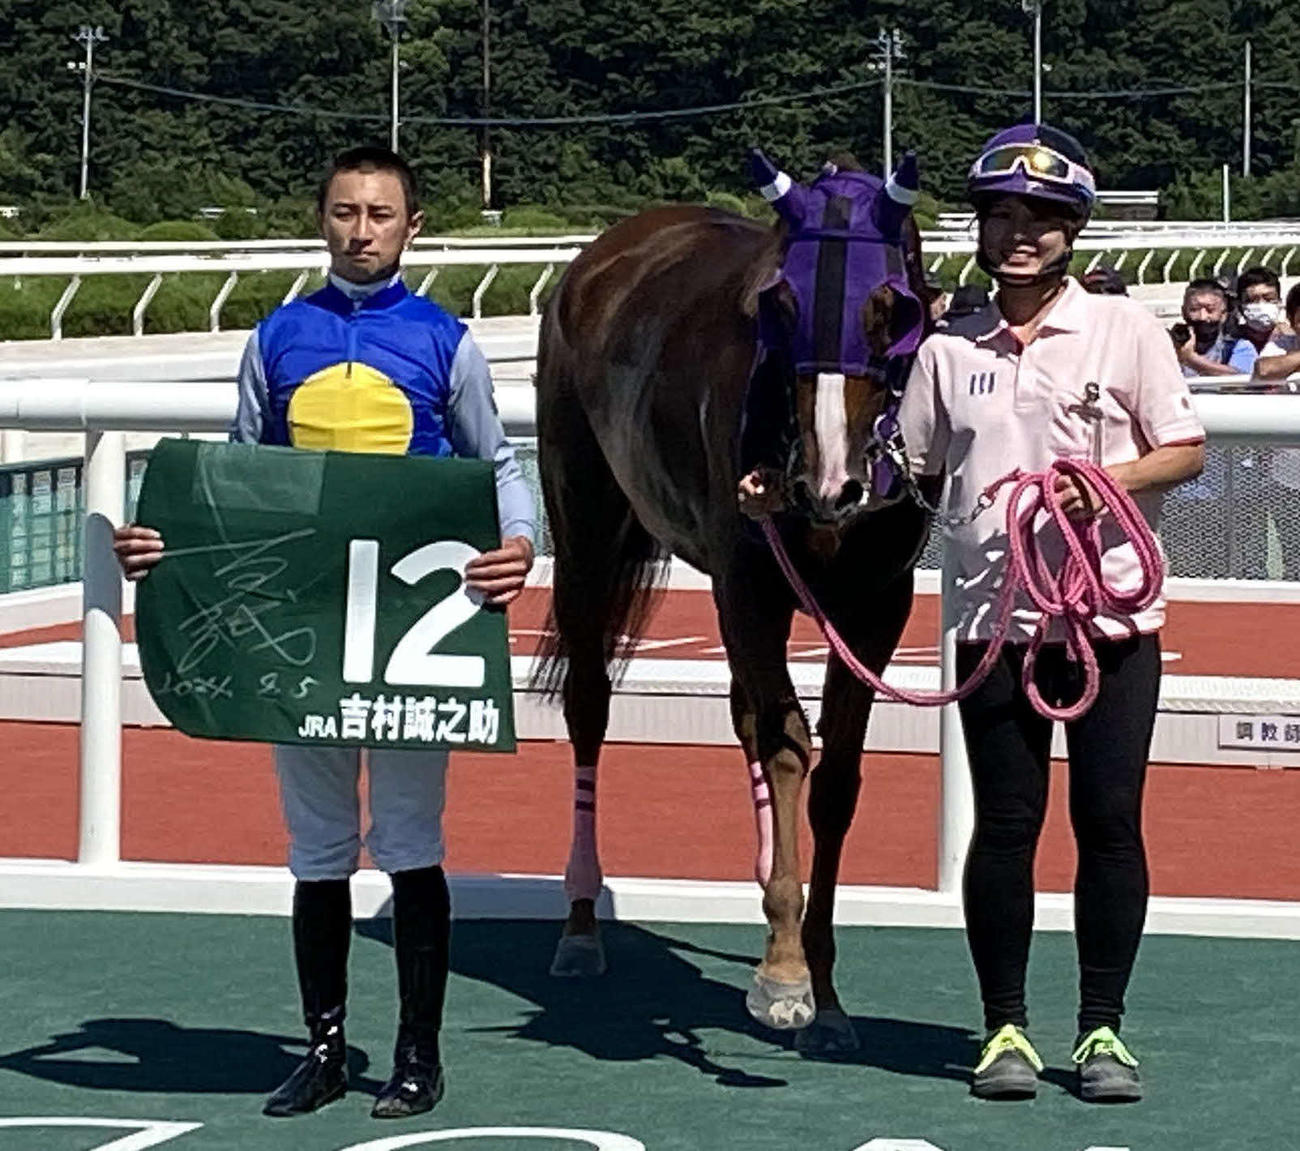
{"x": 665, "y": 336}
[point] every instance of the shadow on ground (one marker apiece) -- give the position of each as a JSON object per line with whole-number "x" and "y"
{"x": 155, "y": 1055}
{"x": 655, "y": 1003}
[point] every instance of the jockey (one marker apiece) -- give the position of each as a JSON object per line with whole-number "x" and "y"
{"x": 1046, "y": 370}
{"x": 365, "y": 365}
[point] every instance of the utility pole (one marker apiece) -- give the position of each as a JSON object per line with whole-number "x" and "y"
{"x": 1245, "y": 119}
{"x": 89, "y": 37}
{"x": 890, "y": 47}
{"x": 392, "y": 15}
{"x": 487, "y": 105}
{"x": 1034, "y": 8}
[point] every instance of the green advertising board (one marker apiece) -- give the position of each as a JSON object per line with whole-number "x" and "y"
{"x": 317, "y": 598}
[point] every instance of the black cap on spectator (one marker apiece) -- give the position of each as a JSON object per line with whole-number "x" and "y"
{"x": 967, "y": 299}
{"x": 1104, "y": 282}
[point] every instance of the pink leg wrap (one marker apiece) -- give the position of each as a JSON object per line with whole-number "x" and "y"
{"x": 762, "y": 823}
{"x": 582, "y": 878}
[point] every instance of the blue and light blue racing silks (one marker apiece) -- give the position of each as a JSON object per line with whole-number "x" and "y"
{"x": 376, "y": 368}
{"x": 370, "y": 374}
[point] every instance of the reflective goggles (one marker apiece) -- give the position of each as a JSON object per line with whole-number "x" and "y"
{"x": 1037, "y": 162}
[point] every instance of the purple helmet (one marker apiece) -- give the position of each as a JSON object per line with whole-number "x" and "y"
{"x": 1034, "y": 160}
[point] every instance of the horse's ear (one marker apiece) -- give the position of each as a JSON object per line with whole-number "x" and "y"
{"x": 778, "y": 189}
{"x": 901, "y": 192}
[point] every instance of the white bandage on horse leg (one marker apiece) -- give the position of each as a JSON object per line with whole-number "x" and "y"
{"x": 582, "y": 877}
{"x": 762, "y": 823}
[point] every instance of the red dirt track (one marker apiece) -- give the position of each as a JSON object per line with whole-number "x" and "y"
{"x": 1230, "y": 639}
{"x": 682, "y": 812}
{"x": 678, "y": 812}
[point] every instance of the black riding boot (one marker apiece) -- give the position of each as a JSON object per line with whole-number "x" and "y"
{"x": 421, "y": 934}
{"x": 322, "y": 930}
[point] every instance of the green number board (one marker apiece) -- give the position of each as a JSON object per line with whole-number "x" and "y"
{"x": 317, "y": 597}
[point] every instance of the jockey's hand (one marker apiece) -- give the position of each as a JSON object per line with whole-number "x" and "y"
{"x": 499, "y": 574}
{"x": 760, "y": 493}
{"x": 138, "y": 550}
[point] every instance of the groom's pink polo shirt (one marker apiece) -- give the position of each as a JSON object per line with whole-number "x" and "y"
{"x": 978, "y": 404}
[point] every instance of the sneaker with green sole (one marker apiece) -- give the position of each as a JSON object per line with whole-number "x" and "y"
{"x": 1107, "y": 1069}
{"x": 1008, "y": 1066}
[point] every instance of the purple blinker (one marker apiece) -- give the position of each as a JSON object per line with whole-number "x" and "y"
{"x": 845, "y": 242}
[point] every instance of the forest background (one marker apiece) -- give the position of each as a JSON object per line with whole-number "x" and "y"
{"x": 158, "y": 157}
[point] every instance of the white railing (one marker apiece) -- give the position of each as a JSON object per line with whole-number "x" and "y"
{"x": 12, "y": 248}
{"x": 1151, "y": 252}
{"x": 104, "y": 410}
{"x": 305, "y": 262}
{"x": 1155, "y": 255}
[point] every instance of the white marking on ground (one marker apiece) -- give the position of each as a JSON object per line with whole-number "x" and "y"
{"x": 147, "y": 1132}
{"x": 600, "y": 1140}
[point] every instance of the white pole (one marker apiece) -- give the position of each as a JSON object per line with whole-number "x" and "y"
{"x": 487, "y": 104}
{"x": 957, "y": 797}
{"x": 101, "y": 667}
{"x": 1245, "y": 121}
{"x": 392, "y": 130}
{"x": 889, "y": 103}
{"x": 1038, "y": 64}
{"x": 1227, "y": 195}
{"x": 85, "y": 112}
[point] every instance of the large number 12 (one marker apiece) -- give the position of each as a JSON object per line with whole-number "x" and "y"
{"x": 413, "y": 661}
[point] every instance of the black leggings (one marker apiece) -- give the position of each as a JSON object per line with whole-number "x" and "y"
{"x": 1009, "y": 747}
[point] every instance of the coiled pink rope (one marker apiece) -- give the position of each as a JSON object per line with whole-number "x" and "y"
{"x": 1073, "y": 595}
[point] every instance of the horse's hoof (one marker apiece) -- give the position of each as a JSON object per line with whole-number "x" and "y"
{"x": 578, "y": 957}
{"x": 829, "y": 1036}
{"x": 782, "y": 1006}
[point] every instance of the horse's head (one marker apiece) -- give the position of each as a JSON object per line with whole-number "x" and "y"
{"x": 850, "y": 308}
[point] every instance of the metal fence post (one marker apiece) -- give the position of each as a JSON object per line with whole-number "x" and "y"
{"x": 101, "y": 667}
{"x": 956, "y": 795}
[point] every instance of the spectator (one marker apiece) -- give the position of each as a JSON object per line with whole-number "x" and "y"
{"x": 966, "y": 301}
{"x": 1285, "y": 362}
{"x": 938, "y": 297}
{"x": 1261, "y": 309}
{"x": 1282, "y": 483}
{"x": 1232, "y": 325}
{"x": 1202, "y": 345}
{"x": 1103, "y": 281}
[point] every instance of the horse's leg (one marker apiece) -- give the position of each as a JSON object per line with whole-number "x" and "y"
{"x": 754, "y": 613}
{"x": 745, "y": 723}
{"x": 586, "y": 713}
{"x": 603, "y": 558}
{"x": 832, "y": 801}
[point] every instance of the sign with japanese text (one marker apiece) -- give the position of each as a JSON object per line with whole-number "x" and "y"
{"x": 1260, "y": 732}
{"x": 318, "y": 598}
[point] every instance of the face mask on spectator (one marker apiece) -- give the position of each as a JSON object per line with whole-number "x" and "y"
{"x": 1261, "y": 315}
{"x": 1207, "y": 331}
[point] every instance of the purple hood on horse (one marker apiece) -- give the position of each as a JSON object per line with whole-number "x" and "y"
{"x": 845, "y": 241}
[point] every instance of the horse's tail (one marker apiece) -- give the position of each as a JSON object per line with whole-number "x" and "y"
{"x": 608, "y": 570}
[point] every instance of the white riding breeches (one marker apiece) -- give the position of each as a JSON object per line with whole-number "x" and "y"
{"x": 322, "y": 808}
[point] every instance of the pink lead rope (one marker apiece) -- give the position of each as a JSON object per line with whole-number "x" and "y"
{"x": 1074, "y": 595}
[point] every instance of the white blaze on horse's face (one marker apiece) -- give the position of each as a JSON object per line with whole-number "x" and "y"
{"x": 831, "y": 424}
{"x": 834, "y": 414}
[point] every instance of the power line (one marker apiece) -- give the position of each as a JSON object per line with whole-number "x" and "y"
{"x": 233, "y": 101}
{"x": 671, "y": 113}
{"x": 1120, "y": 94}
{"x": 498, "y": 121}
